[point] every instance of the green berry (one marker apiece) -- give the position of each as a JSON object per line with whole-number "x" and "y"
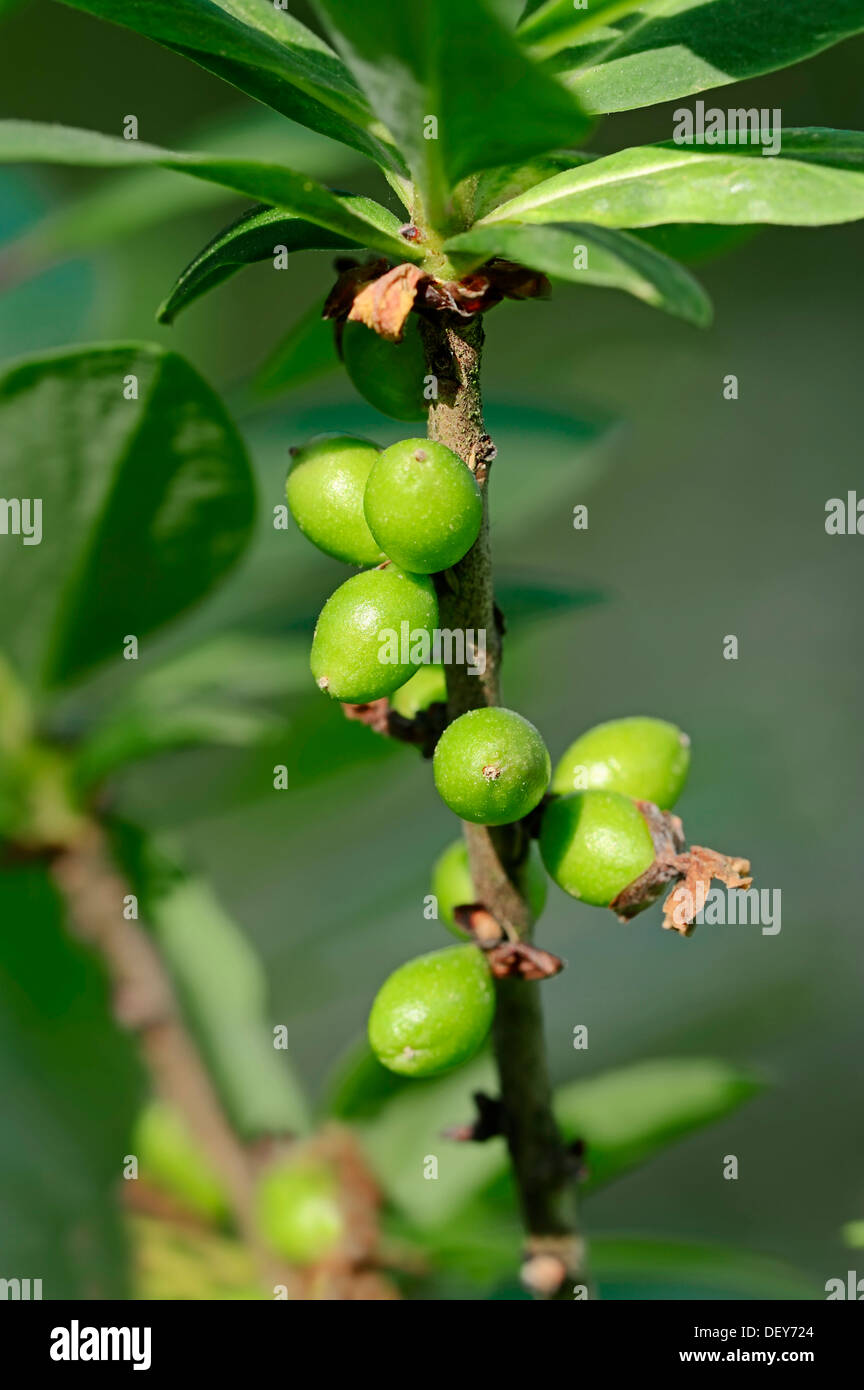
{"x": 594, "y": 844}
{"x": 169, "y": 1158}
{"x": 389, "y": 376}
{"x": 299, "y": 1211}
{"x": 491, "y": 766}
{"x": 426, "y": 687}
{"x": 645, "y": 758}
{"x": 453, "y": 886}
{"x": 325, "y": 496}
{"x": 357, "y": 648}
{"x": 433, "y": 1013}
{"x": 423, "y": 505}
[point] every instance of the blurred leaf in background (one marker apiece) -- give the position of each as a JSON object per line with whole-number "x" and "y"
{"x": 71, "y": 1087}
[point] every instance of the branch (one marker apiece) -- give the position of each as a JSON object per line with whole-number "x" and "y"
{"x": 145, "y": 1005}
{"x": 544, "y": 1170}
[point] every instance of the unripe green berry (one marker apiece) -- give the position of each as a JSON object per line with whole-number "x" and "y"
{"x": 169, "y": 1158}
{"x": 388, "y": 375}
{"x": 423, "y": 505}
{"x": 299, "y": 1211}
{"x": 594, "y": 844}
{"x": 325, "y": 496}
{"x": 491, "y": 766}
{"x": 433, "y": 1013}
{"x": 644, "y": 758}
{"x": 351, "y": 643}
{"x": 453, "y": 886}
{"x": 428, "y": 686}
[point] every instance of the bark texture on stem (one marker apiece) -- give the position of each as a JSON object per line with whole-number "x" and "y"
{"x": 545, "y": 1175}
{"x": 145, "y": 1004}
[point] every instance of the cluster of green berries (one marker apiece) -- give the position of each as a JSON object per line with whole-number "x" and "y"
{"x": 406, "y": 514}
{"x": 411, "y": 511}
{"x": 491, "y": 768}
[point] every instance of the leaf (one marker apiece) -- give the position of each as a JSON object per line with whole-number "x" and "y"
{"x": 628, "y": 1115}
{"x": 817, "y": 178}
{"x": 146, "y": 503}
{"x": 254, "y": 236}
{"x": 28, "y": 141}
{"x": 497, "y": 186}
{"x": 550, "y": 25}
{"x": 201, "y": 697}
{"x": 535, "y": 595}
{"x": 633, "y": 1267}
{"x": 265, "y": 52}
{"x": 221, "y": 984}
{"x": 625, "y": 1117}
{"x": 612, "y": 259}
{"x": 695, "y": 243}
{"x": 454, "y": 62}
{"x": 127, "y": 204}
{"x": 71, "y": 1087}
{"x": 307, "y": 351}
{"x": 673, "y": 49}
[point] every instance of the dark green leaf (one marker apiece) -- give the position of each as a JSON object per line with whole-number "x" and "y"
{"x": 550, "y": 25}
{"x": 307, "y": 352}
{"x": 628, "y": 1115}
{"x": 635, "y": 1268}
{"x": 126, "y": 204}
{"x": 254, "y": 236}
{"x": 589, "y": 255}
{"x": 695, "y": 243}
{"x": 222, "y": 986}
{"x": 146, "y": 502}
{"x": 497, "y": 186}
{"x": 265, "y": 52}
{"x": 24, "y": 142}
{"x": 454, "y": 62}
{"x": 624, "y": 1117}
{"x": 70, "y": 1087}
{"x": 817, "y": 178}
{"x": 671, "y": 50}
{"x": 524, "y": 595}
{"x": 200, "y": 697}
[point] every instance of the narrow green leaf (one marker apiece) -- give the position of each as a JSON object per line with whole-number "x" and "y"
{"x": 496, "y": 186}
{"x": 453, "y": 86}
{"x": 590, "y": 255}
{"x": 71, "y": 1086}
{"x": 221, "y": 983}
{"x": 146, "y": 501}
{"x": 124, "y": 205}
{"x": 628, "y": 1115}
{"x": 23, "y": 142}
{"x": 254, "y": 236}
{"x": 550, "y": 25}
{"x": 633, "y": 1267}
{"x": 816, "y": 179}
{"x": 625, "y": 1117}
{"x": 266, "y": 53}
{"x": 203, "y": 696}
{"x": 307, "y": 351}
{"x": 669, "y": 50}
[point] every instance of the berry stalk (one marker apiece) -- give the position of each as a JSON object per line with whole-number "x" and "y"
{"x": 544, "y": 1171}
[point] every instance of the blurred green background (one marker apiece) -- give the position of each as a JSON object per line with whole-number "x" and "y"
{"x": 706, "y": 519}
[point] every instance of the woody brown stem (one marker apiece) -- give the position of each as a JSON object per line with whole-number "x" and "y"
{"x": 145, "y": 1005}
{"x": 543, "y": 1170}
